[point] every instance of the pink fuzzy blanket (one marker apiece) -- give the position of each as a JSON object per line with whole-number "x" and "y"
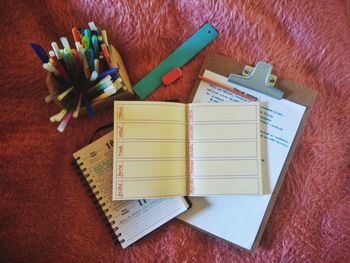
{"x": 45, "y": 214}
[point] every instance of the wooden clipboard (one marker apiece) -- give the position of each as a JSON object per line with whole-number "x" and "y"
{"x": 292, "y": 91}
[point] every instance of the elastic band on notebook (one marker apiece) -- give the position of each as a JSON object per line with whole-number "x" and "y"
{"x": 104, "y": 127}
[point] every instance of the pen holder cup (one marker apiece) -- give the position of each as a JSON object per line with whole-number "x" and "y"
{"x": 53, "y": 84}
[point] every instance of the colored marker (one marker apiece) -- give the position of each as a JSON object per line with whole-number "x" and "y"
{"x": 76, "y": 35}
{"x": 57, "y": 50}
{"x": 62, "y": 52}
{"x": 105, "y": 94}
{"x": 51, "y": 61}
{"x": 90, "y": 57}
{"x": 110, "y": 89}
{"x": 51, "y": 54}
{"x": 81, "y": 52}
{"x": 93, "y": 76}
{"x": 77, "y": 109}
{"x": 68, "y": 60}
{"x": 89, "y": 109}
{"x": 59, "y": 116}
{"x": 87, "y": 33}
{"x": 74, "y": 55}
{"x": 97, "y": 65}
{"x": 51, "y": 97}
{"x": 106, "y": 55}
{"x": 118, "y": 83}
{"x": 64, "y": 93}
{"x": 51, "y": 68}
{"x": 95, "y": 46}
{"x": 65, "y": 43}
{"x": 92, "y": 26}
{"x": 64, "y": 122}
{"x": 86, "y": 42}
{"x": 77, "y": 62}
{"x": 105, "y": 79}
{"x": 111, "y": 71}
{"x": 93, "y": 92}
{"x": 40, "y": 52}
{"x": 86, "y": 68}
{"x": 78, "y": 46}
{"x": 104, "y": 37}
{"x": 57, "y": 64}
{"x": 102, "y": 63}
{"x": 53, "y": 118}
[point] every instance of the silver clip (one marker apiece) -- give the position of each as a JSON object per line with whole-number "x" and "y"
{"x": 258, "y": 80}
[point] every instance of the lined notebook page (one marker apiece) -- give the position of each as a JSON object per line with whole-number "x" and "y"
{"x": 150, "y": 150}
{"x": 224, "y": 148}
{"x": 131, "y": 220}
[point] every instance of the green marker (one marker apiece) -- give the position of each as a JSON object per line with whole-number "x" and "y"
{"x": 86, "y": 42}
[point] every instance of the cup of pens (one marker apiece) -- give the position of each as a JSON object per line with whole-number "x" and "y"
{"x": 85, "y": 78}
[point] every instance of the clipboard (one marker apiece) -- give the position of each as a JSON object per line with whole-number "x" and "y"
{"x": 292, "y": 91}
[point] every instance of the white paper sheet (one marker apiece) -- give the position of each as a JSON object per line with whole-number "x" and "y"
{"x": 238, "y": 218}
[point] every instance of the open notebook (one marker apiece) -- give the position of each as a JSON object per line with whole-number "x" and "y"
{"x": 164, "y": 149}
{"x": 129, "y": 220}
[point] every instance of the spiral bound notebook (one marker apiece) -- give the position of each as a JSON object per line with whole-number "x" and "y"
{"x": 128, "y": 220}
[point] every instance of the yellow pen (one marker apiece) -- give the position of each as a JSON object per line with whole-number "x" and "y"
{"x": 104, "y": 37}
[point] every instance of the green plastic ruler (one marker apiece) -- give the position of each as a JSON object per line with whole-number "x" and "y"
{"x": 177, "y": 59}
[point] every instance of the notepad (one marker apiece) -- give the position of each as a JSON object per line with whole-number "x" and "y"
{"x": 164, "y": 149}
{"x": 129, "y": 220}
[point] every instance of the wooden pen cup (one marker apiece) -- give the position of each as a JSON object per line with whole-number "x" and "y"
{"x": 53, "y": 84}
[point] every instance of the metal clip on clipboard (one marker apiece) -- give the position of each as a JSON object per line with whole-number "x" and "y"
{"x": 258, "y": 79}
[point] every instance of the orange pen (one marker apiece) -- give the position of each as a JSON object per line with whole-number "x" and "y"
{"x": 228, "y": 88}
{"x": 76, "y": 35}
{"x": 77, "y": 60}
{"x": 106, "y": 55}
{"x": 86, "y": 68}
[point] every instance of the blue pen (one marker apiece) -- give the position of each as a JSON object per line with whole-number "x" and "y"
{"x": 111, "y": 71}
{"x": 90, "y": 57}
{"x": 114, "y": 77}
{"x": 87, "y": 104}
{"x": 94, "y": 41}
{"x": 40, "y": 53}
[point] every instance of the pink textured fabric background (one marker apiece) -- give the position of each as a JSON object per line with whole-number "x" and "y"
{"x": 45, "y": 214}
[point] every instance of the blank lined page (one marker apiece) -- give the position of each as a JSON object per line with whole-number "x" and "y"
{"x": 150, "y": 150}
{"x": 224, "y": 148}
